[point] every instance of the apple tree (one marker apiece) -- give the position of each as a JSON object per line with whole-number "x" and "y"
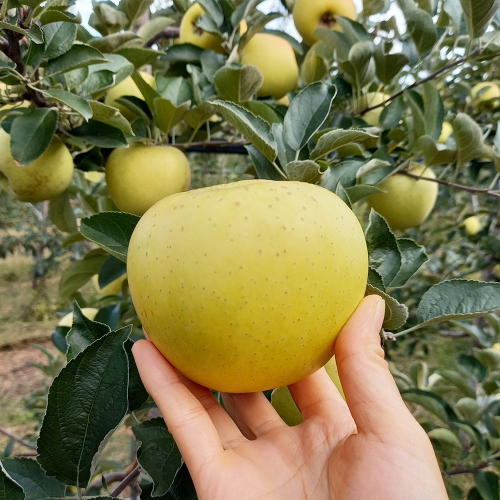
{"x": 394, "y": 108}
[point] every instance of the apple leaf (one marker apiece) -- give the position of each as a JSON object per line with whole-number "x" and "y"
{"x": 396, "y": 314}
{"x": 238, "y": 84}
{"x": 307, "y": 112}
{"x": 420, "y": 26}
{"x": 478, "y": 15}
{"x": 331, "y": 141}
{"x": 388, "y": 65}
{"x": 9, "y": 489}
{"x": 75, "y": 102}
{"x": 110, "y": 116}
{"x": 433, "y": 155}
{"x": 61, "y": 213}
{"x": 264, "y": 168}
{"x": 80, "y": 55}
{"x": 413, "y": 258}
{"x": 59, "y": 38}
{"x": 431, "y": 402}
{"x": 469, "y": 138}
{"x": 111, "y": 231}
{"x": 110, "y": 271}
{"x": 433, "y": 111}
{"x": 303, "y": 171}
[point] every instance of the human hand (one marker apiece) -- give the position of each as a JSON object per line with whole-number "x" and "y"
{"x": 370, "y": 448}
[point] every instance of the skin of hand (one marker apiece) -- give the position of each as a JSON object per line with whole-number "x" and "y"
{"x": 370, "y": 448}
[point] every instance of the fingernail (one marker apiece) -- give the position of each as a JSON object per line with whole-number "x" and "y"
{"x": 379, "y": 310}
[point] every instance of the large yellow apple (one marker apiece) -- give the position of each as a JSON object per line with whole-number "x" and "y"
{"x": 45, "y": 178}
{"x": 485, "y": 96}
{"x": 190, "y": 33}
{"x": 139, "y": 176}
{"x": 446, "y": 131}
{"x": 309, "y": 15}
{"x": 89, "y": 312}
{"x": 127, "y": 87}
{"x": 372, "y": 117}
{"x": 275, "y": 58}
{"x": 407, "y": 202}
{"x": 244, "y": 287}
{"x": 113, "y": 288}
{"x": 472, "y": 225}
{"x": 285, "y": 405}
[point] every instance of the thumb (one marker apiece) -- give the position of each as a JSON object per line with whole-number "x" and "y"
{"x": 371, "y": 393}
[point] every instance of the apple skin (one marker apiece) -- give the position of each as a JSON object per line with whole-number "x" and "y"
{"x": 472, "y": 225}
{"x": 127, "y": 88}
{"x": 407, "y": 202}
{"x": 244, "y": 287}
{"x": 114, "y": 288}
{"x": 372, "y": 117}
{"x": 67, "y": 321}
{"x": 189, "y": 33}
{"x": 284, "y": 404}
{"x": 44, "y": 179}
{"x": 482, "y": 95}
{"x": 308, "y": 15}
{"x": 139, "y": 176}
{"x": 275, "y": 58}
{"x": 445, "y": 133}
{"x": 94, "y": 176}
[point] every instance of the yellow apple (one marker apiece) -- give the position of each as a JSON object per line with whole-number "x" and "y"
{"x": 309, "y": 15}
{"x": 190, "y": 33}
{"x": 496, "y": 347}
{"x": 284, "y": 101}
{"x": 472, "y": 225}
{"x": 372, "y": 117}
{"x": 445, "y": 132}
{"x": 94, "y": 176}
{"x": 485, "y": 96}
{"x": 244, "y": 287}
{"x": 285, "y": 405}
{"x": 113, "y": 288}
{"x": 275, "y": 58}
{"x": 127, "y": 88}
{"x": 45, "y": 178}
{"x": 89, "y": 312}
{"x": 139, "y": 176}
{"x": 407, "y": 202}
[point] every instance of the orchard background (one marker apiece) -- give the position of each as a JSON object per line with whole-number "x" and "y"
{"x": 392, "y": 89}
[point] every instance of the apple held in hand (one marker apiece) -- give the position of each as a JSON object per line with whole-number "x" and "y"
{"x": 407, "y": 202}
{"x": 139, "y": 176}
{"x": 44, "y": 179}
{"x": 275, "y": 58}
{"x": 308, "y": 15}
{"x": 244, "y": 287}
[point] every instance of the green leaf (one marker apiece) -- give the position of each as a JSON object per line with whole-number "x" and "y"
{"x": 303, "y": 171}
{"x": 167, "y": 115}
{"x": 445, "y": 438}
{"x": 420, "y": 26}
{"x": 175, "y": 89}
{"x": 360, "y": 66}
{"x": 199, "y": 115}
{"x": 154, "y": 27}
{"x": 255, "y": 129}
{"x": 111, "y": 270}
{"x": 90, "y": 397}
{"x": 100, "y": 134}
{"x": 458, "y": 299}
{"x": 138, "y": 56}
{"x": 158, "y": 454}
{"x": 307, "y": 112}
{"x": 361, "y": 191}
{"x": 388, "y": 65}
{"x": 478, "y": 15}
{"x": 137, "y": 394}
{"x": 115, "y": 42}
{"x": 375, "y": 280}
{"x": 262, "y": 110}
{"x": 392, "y": 113}
{"x": 135, "y": 9}
{"x": 417, "y": 110}
{"x": 413, "y": 257}
{"x": 238, "y": 84}
{"x": 214, "y": 10}
{"x": 454, "y": 10}
{"x": 61, "y": 213}
{"x": 433, "y": 155}
{"x": 9, "y": 489}
{"x": 35, "y": 483}
{"x": 487, "y": 483}
{"x": 59, "y": 38}
{"x": 458, "y": 381}
{"x": 110, "y": 230}
{"x": 431, "y": 402}
{"x": 469, "y": 139}
{"x": 396, "y": 314}
{"x": 383, "y": 250}
{"x": 78, "y": 56}
{"x": 285, "y": 153}
{"x": 182, "y": 487}
{"x": 471, "y": 367}
{"x": 264, "y": 168}
{"x": 80, "y": 272}
{"x": 186, "y": 52}
{"x": 434, "y": 111}
{"x": 75, "y": 102}
{"x": 110, "y": 116}
{"x": 31, "y": 134}
{"x": 83, "y": 333}
{"x": 331, "y": 141}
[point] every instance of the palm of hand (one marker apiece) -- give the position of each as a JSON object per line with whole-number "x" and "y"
{"x": 373, "y": 449}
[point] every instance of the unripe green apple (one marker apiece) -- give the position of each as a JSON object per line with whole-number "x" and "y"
{"x": 275, "y": 58}
{"x": 139, "y": 176}
{"x": 285, "y": 405}
{"x": 446, "y": 131}
{"x": 309, "y": 15}
{"x": 244, "y": 287}
{"x": 485, "y": 96}
{"x": 127, "y": 88}
{"x": 113, "y": 288}
{"x": 47, "y": 177}
{"x": 89, "y": 312}
{"x": 371, "y": 99}
{"x": 472, "y": 225}
{"x": 190, "y": 33}
{"x": 407, "y": 202}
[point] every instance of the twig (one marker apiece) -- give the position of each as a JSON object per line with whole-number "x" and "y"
{"x": 469, "y": 189}
{"x": 466, "y": 470}
{"x": 129, "y": 479}
{"x": 429, "y": 78}
{"x": 21, "y": 441}
{"x": 170, "y": 32}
